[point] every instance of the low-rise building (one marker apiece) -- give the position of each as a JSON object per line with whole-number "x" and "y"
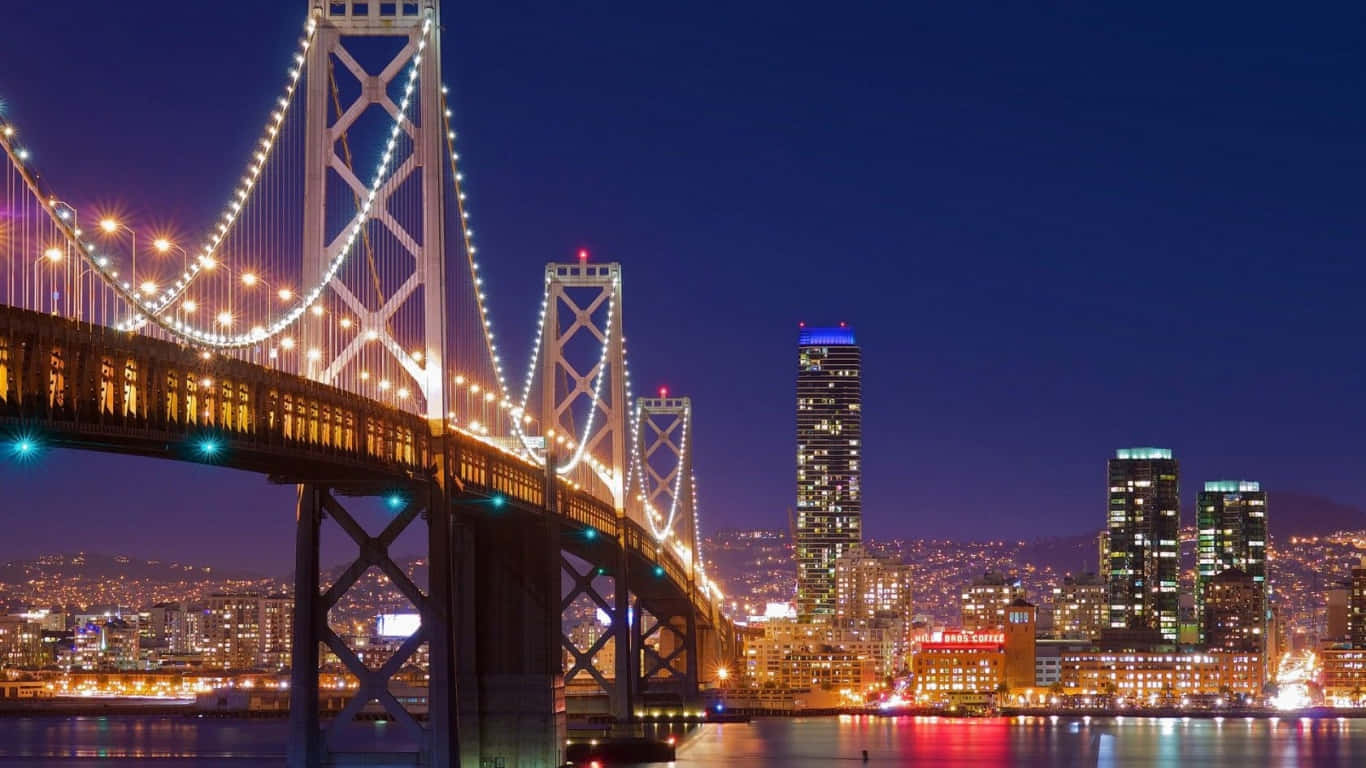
{"x": 1344, "y": 676}
{"x": 1156, "y": 678}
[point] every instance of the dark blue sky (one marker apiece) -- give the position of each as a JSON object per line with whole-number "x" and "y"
{"x": 1058, "y": 229}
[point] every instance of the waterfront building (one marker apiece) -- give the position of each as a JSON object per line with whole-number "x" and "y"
{"x": 1020, "y": 639}
{"x": 798, "y": 656}
{"x": 1080, "y": 607}
{"x": 1161, "y": 678}
{"x": 985, "y": 601}
{"x": 1344, "y": 676}
{"x": 1231, "y": 532}
{"x": 1144, "y": 540}
{"x": 957, "y": 666}
{"x": 829, "y": 517}
{"x": 1103, "y": 551}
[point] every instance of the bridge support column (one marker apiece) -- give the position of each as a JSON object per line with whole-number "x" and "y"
{"x": 443, "y": 733}
{"x": 510, "y": 640}
{"x": 627, "y": 664}
{"x": 305, "y": 734}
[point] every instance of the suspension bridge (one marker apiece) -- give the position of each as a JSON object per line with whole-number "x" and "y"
{"x": 331, "y": 329}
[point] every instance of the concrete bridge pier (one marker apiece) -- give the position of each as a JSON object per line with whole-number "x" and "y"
{"x": 512, "y": 691}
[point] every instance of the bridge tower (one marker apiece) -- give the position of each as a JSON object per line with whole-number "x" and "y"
{"x": 582, "y": 291}
{"x": 663, "y": 478}
{"x": 419, "y": 24}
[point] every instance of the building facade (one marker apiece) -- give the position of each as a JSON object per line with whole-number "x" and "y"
{"x": 1081, "y": 607}
{"x": 1231, "y": 532}
{"x": 1234, "y": 612}
{"x": 829, "y": 513}
{"x": 247, "y": 631}
{"x": 1144, "y": 540}
{"x": 869, "y": 586}
{"x": 1161, "y": 678}
{"x": 1356, "y": 607}
{"x": 985, "y": 601}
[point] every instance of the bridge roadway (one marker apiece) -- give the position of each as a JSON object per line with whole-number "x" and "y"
{"x": 70, "y": 384}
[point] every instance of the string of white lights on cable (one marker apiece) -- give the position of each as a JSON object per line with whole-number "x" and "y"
{"x": 260, "y": 333}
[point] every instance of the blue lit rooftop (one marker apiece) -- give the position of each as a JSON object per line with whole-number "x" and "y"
{"x": 1143, "y": 453}
{"x": 1233, "y": 486}
{"x": 840, "y": 335}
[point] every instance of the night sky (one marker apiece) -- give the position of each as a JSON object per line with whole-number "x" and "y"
{"x": 1058, "y": 231}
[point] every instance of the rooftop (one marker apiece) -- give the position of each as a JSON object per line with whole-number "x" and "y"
{"x": 834, "y": 336}
{"x": 1143, "y": 453}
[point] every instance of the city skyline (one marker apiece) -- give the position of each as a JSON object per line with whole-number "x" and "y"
{"x": 966, "y": 371}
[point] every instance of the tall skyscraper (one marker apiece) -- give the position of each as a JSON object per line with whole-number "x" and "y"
{"x": 829, "y": 446}
{"x": 1144, "y": 526}
{"x": 1231, "y": 533}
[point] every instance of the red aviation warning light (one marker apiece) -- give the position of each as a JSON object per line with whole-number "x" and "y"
{"x": 583, "y": 255}
{"x": 663, "y": 392}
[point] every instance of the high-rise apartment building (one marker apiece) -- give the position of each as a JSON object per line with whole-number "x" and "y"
{"x": 829, "y": 463}
{"x": 985, "y": 600}
{"x": 1144, "y": 520}
{"x": 1081, "y": 607}
{"x": 247, "y": 632}
{"x": 1230, "y": 534}
{"x": 869, "y": 586}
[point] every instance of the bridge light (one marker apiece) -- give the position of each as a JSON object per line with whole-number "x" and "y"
{"x": 285, "y": 294}
{"x": 403, "y": 393}
{"x": 583, "y": 255}
{"x": 109, "y": 225}
{"x": 148, "y": 287}
{"x": 287, "y": 343}
{"x": 659, "y": 570}
{"x": 53, "y": 254}
{"x": 417, "y": 355}
{"x": 161, "y": 244}
{"x": 249, "y": 279}
{"x": 25, "y": 447}
{"x": 315, "y": 354}
{"x": 189, "y": 305}
{"x": 384, "y": 384}
{"x": 590, "y": 533}
{"x": 498, "y": 500}
{"x": 208, "y": 448}
{"x": 364, "y": 375}
{"x": 372, "y": 334}
{"x": 316, "y": 309}
{"x": 345, "y": 322}
{"x": 224, "y": 318}
{"x": 394, "y": 501}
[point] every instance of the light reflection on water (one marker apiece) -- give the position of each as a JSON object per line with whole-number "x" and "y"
{"x": 1032, "y": 742}
{"x": 173, "y": 742}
